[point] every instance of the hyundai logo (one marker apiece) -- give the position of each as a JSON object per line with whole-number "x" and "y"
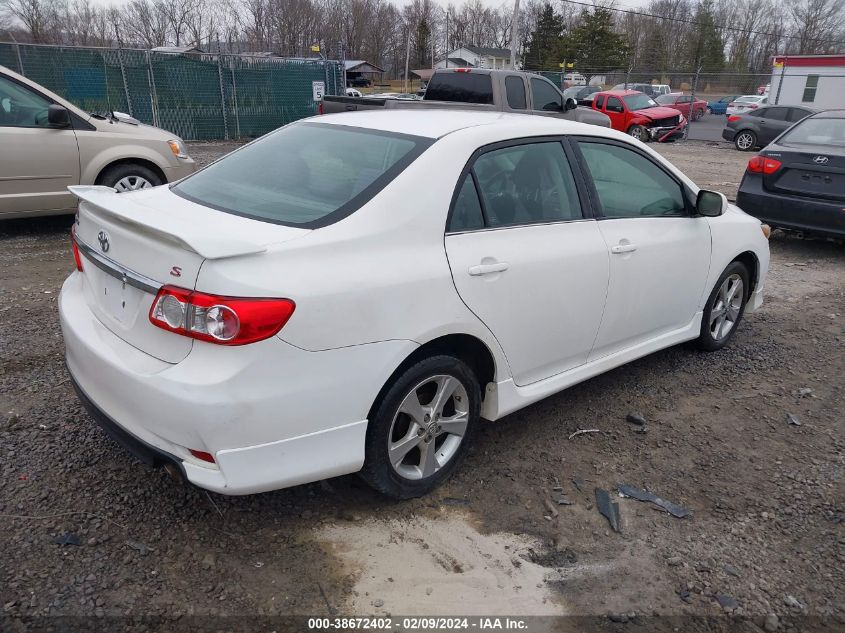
{"x": 103, "y": 239}
{"x": 820, "y": 160}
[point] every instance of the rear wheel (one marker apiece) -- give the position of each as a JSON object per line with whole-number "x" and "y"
{"x": 697, "y": 114}
{"x": 129, "y": 177}
{"x": 745, "y": 140}
{"x": 725, "y": 308}
{"x": 639, "y": 133}
{"x": 420, "y": 429}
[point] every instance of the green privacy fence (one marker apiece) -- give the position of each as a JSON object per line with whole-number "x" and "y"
{"x": 196, "y": 95}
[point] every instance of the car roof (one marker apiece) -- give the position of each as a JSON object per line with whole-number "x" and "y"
{"x": 622, "y": 93}
{"x": 438, "y": 123}
{"x": 828, "y": 114}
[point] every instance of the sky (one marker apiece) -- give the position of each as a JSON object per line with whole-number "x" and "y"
{"x": 489, "y": 3}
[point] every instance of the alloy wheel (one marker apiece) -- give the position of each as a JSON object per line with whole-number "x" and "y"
{"x": 132, "y": 183}
{"x": 726, "y": 308}
{"x": 428, "y": 427}
{"x": 744, "y": 141}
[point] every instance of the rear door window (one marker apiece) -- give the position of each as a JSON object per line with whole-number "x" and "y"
{"x": 466, "y": 212}
{"x": 527, "y": 184}
{"x": 466, "y": 87}
{"x": 305, "y": 174}
{"x": 778, "y": 114}
{"x": 614, "y": 105}
{"x": 796, "y": 114}
{"x": 515, "y": 88}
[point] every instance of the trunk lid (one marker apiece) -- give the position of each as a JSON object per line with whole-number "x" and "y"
{"x": 806, "y": 171}
{"x": 134, "y": 243}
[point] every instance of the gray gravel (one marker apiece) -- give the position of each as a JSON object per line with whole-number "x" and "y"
{"x": 766, "y": 537}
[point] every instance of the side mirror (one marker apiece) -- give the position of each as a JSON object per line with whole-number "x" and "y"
{"x": 570, "y": 104}
{"x": 58, "y": 116}
{"x": 710, "y": 204}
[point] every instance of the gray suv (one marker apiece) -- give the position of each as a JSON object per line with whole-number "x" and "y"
{"x": 760, "y": 127}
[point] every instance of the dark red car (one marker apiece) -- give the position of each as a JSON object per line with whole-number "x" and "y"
{"x": 640, "y": 116}
{"x": 684, "y": 104}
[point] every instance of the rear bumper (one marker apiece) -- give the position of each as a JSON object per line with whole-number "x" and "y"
{"x": 728, "y": 134}
{"x": 824, "y": 218}
{"x": 271, "y": 414}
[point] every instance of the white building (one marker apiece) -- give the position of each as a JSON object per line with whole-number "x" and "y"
{"x": 477, "y": 57}
{"x": 817, "y": 81}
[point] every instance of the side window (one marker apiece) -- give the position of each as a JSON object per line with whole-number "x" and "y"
{"x": 527, "y": 184}
{"x": 614, "y": 105}
{"x": 629, "y": 185}
{"x": 515, "y": 88}
{"x": 600, "y": 102}
{"x": 20, "y": 107}
{"x": 466, "y": 214}
{"x": 810, "y": 89}
{"x": 796, "y": 114}
{"x": 778, "y": 114}
{"x": 546, "y": 97}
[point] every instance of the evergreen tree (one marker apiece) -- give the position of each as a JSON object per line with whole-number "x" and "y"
{"x": 594, "y": 45}
{"x": 543, "y": 51}
{"x": 707, "y": 48}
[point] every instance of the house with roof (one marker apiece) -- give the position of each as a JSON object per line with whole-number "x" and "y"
{"x": 817, "y": 81}
{"x": 477, "y": 57}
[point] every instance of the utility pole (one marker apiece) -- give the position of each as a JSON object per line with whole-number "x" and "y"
{"x": 514, "y": 33}
{"x": 407, "y": 59}
{"x": 447, "y": 37}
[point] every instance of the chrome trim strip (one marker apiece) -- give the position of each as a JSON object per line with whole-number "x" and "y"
{"x": 117, "y": 271}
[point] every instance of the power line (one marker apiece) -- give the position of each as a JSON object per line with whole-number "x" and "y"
{"x": 693, "y": 22}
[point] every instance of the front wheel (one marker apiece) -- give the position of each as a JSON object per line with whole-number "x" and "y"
{"x": 697, "y": 114}
{"x": 745, "y": 141}
{"x": 420, "y": 429}
{"x": 639, "y": 133}
{"x": 725, "y": 308}
{"x": 129, "y": 177}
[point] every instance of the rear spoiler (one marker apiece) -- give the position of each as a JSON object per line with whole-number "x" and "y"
{"x": 193, "y": 236}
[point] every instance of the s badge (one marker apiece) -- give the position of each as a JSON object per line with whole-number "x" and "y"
{"x": 176, "y": 271}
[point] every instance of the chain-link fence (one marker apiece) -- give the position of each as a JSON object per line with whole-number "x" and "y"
{"x": 197, "y": 96}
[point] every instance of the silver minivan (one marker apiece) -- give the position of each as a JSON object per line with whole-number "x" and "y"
{"x": 47, "y": 144}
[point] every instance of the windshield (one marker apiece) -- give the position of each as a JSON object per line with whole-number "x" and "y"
{"x": 305, "y": 174}
{"x": 665, "y": 99}
{"x": 638, "y": 102}
{"x": 817, "y": 132}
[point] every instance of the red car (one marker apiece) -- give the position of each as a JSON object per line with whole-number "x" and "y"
{"x": 684, "y": 104}
{"x": 640, "y": 116}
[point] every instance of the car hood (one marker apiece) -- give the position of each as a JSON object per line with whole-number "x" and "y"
{"x": 660, "y": 112}
{"x": 135, "y": 130}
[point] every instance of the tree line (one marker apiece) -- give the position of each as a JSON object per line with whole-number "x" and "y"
{"x": 665, "y": 35}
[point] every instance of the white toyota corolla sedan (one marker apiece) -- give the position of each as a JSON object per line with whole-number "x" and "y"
{"x": 356, "y": 292}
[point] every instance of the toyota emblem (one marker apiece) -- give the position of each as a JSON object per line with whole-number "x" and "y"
{"x": 103, "y": 239}
{"x": 820, "y": 160}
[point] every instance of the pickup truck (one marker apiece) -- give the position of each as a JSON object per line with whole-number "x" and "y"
{"x": 640, "y": 116}
{"x": 482, "y": 90}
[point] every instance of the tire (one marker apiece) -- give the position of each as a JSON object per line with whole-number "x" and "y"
{"x": 697, "y": 114}
{"x": 129, "y": 177}
{"x": 639, "y": 133}
{"x": 416, "y": 436}
{"x": 745, "y": 140}
{"x": 714, "y": 335}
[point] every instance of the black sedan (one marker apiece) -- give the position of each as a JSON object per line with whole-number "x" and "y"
{"x": 798, "y": 181}
{"x": 583, "y": 95}
{"x": 759, "y": 127}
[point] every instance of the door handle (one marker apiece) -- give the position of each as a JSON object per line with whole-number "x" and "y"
{"x": 623, "y": 248}
{"x": 487, "y": 269}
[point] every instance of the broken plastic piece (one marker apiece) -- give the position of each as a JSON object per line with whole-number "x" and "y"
{"x": 644, "y": 495}
{"x": 608, "y": 509}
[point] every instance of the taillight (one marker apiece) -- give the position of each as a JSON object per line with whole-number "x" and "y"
{"x": 752, "y": 106}
{"x": 763, "y": 165}
{"x": 75, "y": 248}
{"x": 463, "y": 70}
{"x": 734, "y": 117}
{"x": 221, "y": 320}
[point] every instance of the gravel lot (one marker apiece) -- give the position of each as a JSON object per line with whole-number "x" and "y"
{"x": 765, "y": 536}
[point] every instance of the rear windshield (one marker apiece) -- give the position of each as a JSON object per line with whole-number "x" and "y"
{"x": 748, "y": 99}
{"x": 306, "y": 174}
{"x": 467, "y": 87}
{"x": 817, "y": 132}
{"x": 666, "y": 99}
